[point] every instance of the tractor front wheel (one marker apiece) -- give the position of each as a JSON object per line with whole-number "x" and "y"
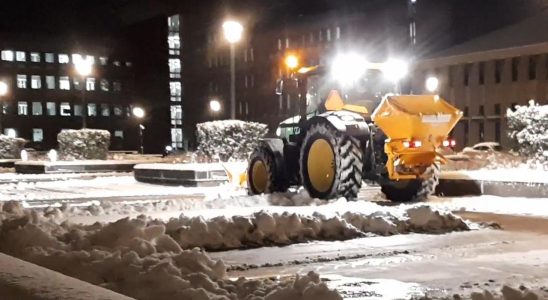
{"x": 262, "y": 173}
{"x": 330, "y": 163}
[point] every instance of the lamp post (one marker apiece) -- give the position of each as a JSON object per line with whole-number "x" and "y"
{"x": 215, "y": 107}
{"x": 233, "y": 34}
{"x": 3, "y": 92}
{"x": 139, "y": 113}
{"x": 84, "y": 68}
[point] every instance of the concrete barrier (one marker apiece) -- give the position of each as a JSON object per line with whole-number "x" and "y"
{"x": 21, "y": 280}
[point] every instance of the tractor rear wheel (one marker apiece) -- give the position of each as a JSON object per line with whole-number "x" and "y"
{"x": 413, "y": 190}
{"x": 262, "y": 175}
{"x": 330, "y": 163}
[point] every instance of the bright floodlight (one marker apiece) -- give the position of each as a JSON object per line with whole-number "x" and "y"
{"x": 432, "y": 84}
{"x": 291, "y": 61}
{"x": 233, "y": 31}
{"x": 215, "y": 105}
{"x": 83, "y": 66}
{"x": 138, "y": 112}
{"x": 348, "y": 68}
{"x": 3, "y": 88}
{"x": 394, "y": 69}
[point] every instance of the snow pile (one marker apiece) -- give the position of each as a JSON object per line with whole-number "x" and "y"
{"x": 83, "y": 144}
{"x": 263, "y": 228}
{"x": 134, "y": 257}
{"x": 508, "y": 293}
{"x": 10, "y": 147}
{"x": 229, "y": 139}
{"x": 528, "y": 126}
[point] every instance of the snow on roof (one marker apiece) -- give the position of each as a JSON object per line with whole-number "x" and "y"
{"x": 531, "y": 31}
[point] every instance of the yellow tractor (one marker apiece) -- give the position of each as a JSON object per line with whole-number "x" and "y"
{"x": 335, "y": 143}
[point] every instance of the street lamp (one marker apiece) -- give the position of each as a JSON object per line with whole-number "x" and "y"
{"x": 3, "y": 92}
{"x": 233, "y": 34}
{"x": 139, "y": 113}
{"x": 292, "y": 62}
{"x": 84, "y": 67}
{"x": 432, "y": 84}
{"x": 215, "y": 107}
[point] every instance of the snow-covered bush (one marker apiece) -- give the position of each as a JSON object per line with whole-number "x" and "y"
{"x": 10, "y": 147}
{"x": 528, "y": 126}
{"x": 229, "y": 139}
{"x": 83, "y": 144}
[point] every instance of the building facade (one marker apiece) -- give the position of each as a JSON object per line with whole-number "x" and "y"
{"x": 45, "y": 93}
{"x": 488, "y": 75}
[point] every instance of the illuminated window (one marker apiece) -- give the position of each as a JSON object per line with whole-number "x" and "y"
{"x": 92, "y": 110}
{"x": 337, "y": 33}
{"x": 177, "y": 137}
{"x": 50, "y": 109}
{"x": 11, "y": 132}
{"x": 37, "y": 134}
{"x": 105, "y": 110}
{"x": 174, "y": 65}
{"x": 176, "y": 115}
{"x": 90, "y": 84}
{"x": 118, "y": 110}
{"x": 35, "y": 57}
{"x": 328, "y": 34}
{"x": 64, "y": 83}
{"x": 76, "y": 84}
{"x": 63, "y": 58}
{"x": 64, "y": 109}
{"x": 104, "y": 85}
{"x": 117, "y": 63}
{"x": 21, "y": 81}
{"x": 103, "y": 60}
{"x": 78, "y": 111}
{"x": 117, "y": 86}
{"x": 174, "y": 41}
{"x": 35, "y": 82}
{"x": 50, "y": 58}
{"x": 37, "y": 108}
{"x": 20, "y": 56}
{"x": 119, "y": 134}
{"x": 22, "y": 108}
{"x": 7, "y": 55}
{"x": 50, "y": 82}
{"x": 175, "y": 88}
{"x": 173, "y": 23}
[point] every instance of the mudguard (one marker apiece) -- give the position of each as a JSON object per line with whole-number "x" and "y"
{"x": 346, "y": 122}
{"x": 276, "y": 147}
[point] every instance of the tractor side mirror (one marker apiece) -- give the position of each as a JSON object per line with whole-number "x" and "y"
{"x": 279, "y": 86}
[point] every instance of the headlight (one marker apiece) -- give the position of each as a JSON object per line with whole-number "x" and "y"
{"x": 278, "y": 131}
{"x": 348, "y": 68}
{"x": 395, "y": 69}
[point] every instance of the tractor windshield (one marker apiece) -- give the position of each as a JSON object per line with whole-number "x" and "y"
{"x": 366, "y": 91}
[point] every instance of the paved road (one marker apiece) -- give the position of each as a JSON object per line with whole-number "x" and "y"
{"x": 412, "y": 264}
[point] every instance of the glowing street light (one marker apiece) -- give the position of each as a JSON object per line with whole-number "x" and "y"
{"x": 432, "y": 84}
{"x": 139, "y": 113}
{"x": 394, "y": 70}
{"x": 233, "y": 33}
{"x": 3, "y": 92}
{"x": 292, "y": 61}
{"x": 84, "y": 67}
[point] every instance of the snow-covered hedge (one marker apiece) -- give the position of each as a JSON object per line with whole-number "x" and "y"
{"x": 10, "y": 147}
{"x": 528, "y": 126}
{"x": 83, "y": 144}
{"x": 229, "y": 139}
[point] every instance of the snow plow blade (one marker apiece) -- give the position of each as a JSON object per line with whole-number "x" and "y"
{"x": 415, "y": 126}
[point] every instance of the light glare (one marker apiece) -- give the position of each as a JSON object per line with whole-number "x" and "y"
{"x": 432, "y": 84}
{"x": 138, "y": 112}
{"x": 348, "y": 68}
{"x": 215, "y": 105}
{"x": 233, "y": 31}
{"x": 291, "y": 61}
{"x": 395, "y": 69}
{"x": 83, "y": 66}
{"x": 3, "y": 88}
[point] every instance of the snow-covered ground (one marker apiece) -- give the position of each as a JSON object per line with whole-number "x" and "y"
{"x": 510, "y": 175}
{"x": 492, "y": 204}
